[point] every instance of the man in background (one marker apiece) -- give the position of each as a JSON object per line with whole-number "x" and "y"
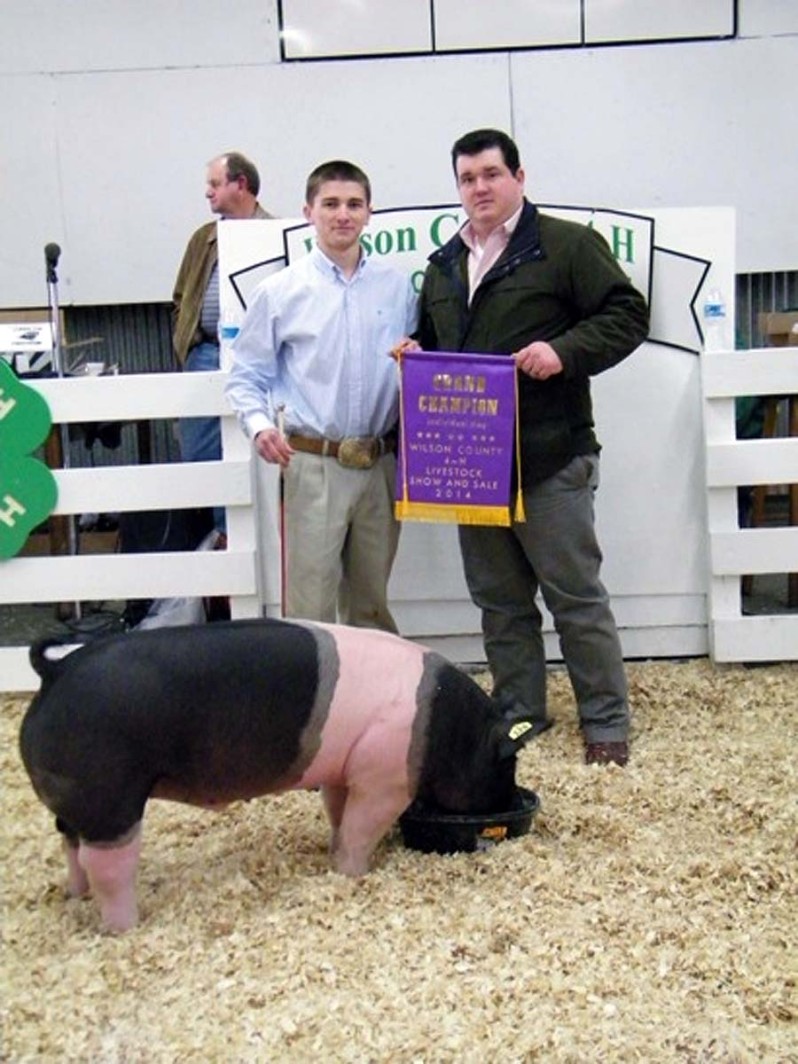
{"x": 232, "y": 187}
{"x": 314, "y": 389}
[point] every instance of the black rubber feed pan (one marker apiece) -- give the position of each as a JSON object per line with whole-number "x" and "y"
{"x": 432, "y": 831}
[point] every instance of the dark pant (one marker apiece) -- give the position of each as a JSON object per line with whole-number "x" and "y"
{"x": 554, "y": 550}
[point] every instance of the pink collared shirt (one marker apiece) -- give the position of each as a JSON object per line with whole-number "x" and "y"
{"x": 482, "y": 256}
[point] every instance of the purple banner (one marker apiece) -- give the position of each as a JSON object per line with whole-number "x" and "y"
{"x": 458, "y": 434}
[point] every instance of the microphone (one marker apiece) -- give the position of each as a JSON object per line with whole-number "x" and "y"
{"x": 52, "y": 253}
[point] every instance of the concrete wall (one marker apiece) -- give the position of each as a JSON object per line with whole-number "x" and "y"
{"x": 111, "y": 109}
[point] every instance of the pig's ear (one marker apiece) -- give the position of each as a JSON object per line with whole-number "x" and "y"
{"x": 515, "y": 732}
{"x": 517, "y": 727}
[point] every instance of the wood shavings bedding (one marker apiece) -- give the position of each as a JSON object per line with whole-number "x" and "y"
{"x": 650, "y": 915}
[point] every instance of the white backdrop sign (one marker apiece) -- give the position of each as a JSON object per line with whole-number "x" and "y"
{"x": 651, "y": 506}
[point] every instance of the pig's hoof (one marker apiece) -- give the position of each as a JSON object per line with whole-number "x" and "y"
{"x": 76, "y": 888}
{"x": 117, "y": 923}
{"x": 350, "y": 866}
{"x": 117, "y": 927}
{"x": 74, "y": 895}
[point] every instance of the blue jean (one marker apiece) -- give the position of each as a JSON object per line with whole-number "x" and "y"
{"x": 556, "y": 551}
{"x": 201, "y": 437}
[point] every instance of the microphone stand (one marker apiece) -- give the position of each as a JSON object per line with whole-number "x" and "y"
{"x": 51, "y": 254}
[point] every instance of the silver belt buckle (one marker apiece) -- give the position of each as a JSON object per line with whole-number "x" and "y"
{"x": 358, "y": 452}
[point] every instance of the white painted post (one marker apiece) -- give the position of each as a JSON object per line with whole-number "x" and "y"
{"x": 730, "y": 462}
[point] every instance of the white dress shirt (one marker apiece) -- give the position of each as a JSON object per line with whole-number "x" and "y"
{"x": 318, "y": 344}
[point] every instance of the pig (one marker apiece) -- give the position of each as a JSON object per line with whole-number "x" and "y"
{"x": 230, "y": 711}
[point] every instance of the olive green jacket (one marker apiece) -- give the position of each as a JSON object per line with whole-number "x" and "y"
{"x": 199, "y": 258}
{"x": 556, "y": 281}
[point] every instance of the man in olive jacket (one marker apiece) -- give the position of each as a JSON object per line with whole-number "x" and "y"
{"x": 549, "y": 294}
{"x": 232, "y": 184}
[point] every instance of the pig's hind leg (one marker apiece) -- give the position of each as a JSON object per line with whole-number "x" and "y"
{"x": 111, "y": 871}
{"x": 77, "y": 882}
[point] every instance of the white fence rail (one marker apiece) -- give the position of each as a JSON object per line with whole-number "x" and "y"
{"x": 645, "y": 603}
{"x": 734, "y": 551}
{"x": 99, "y": 577}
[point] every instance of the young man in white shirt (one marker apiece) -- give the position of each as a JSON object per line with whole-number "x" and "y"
{"x": 313, "y": 386}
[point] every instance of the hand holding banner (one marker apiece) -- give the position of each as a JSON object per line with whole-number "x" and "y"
{"x": 458, "y": 431}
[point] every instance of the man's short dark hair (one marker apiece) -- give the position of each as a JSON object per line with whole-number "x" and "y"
{"x": 336, "y": 170}
{"x": 238, "y": 165}
{"x": 479, "y": 140}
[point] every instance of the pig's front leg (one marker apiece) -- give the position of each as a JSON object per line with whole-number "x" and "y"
{"x": 334, "y": 802}
{"x": 366, "y": 819}
{"x": 111, "y": 872}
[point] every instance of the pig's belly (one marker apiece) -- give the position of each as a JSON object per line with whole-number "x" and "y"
{"x": 207, "y": 797}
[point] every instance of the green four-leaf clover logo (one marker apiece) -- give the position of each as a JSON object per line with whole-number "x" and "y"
{"x": 28, "y": 490}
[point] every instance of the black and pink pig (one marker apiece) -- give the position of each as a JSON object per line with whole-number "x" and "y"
{"x": 218, "y": 713}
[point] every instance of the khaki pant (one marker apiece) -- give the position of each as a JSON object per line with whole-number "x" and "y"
{"x": 341, "y": 538}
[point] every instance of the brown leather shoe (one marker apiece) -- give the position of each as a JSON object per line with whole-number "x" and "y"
{"x": 607, "y": 753}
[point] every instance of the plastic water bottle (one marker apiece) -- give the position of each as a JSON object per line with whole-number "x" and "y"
{"x": 714, "y": 321}
{"x": 228, "y": 331}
